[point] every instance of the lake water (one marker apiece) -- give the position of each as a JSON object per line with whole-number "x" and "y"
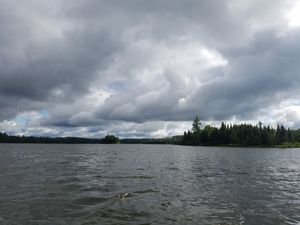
{"x": 81, "y": 184}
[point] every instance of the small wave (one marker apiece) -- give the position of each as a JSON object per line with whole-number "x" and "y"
{"x": 68, "y": 180}
{"x": 146, "y": 191}
{"x": 126, "y": 177}
{"x": 293, "y": 222}
{"x": 173, "y": 168}
{"x": 96, "y": 188}
{"x": 90, "y": 200}
{"x": 222, "y": 174}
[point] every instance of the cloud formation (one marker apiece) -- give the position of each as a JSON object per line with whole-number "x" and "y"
{"x": 144, "y": 68}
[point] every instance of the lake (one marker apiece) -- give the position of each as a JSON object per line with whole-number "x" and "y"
{"x": 166, "y": 184}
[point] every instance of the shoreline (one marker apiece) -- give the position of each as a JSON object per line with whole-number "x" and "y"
{"x": 282, "y": 146}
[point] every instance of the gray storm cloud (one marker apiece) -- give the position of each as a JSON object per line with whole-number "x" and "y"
{"x": 89, "y": 67}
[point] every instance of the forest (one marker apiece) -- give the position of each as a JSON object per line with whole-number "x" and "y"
{"x": 241, "y": 135}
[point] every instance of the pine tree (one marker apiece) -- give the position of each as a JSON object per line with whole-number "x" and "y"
{"x": 196, "y": 130}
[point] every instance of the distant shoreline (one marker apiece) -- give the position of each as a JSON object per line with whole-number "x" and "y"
{"x": 108, "y": 139}
{"x": 227, "y": 135}
{"x": 156, "y": 142}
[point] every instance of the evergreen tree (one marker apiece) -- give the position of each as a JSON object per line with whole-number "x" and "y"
{"x": 196, "y": 130}
{"x": 290, "y": 137}
{"x": 277, "y": 136}
{"x": 283, "y": 134}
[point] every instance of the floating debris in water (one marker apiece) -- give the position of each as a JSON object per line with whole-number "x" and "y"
{"x": 123, "y": 195}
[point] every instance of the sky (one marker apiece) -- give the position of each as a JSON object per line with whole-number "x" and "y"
{"x": 139, "y": 68}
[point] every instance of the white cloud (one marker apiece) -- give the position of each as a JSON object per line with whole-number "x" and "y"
{"x": 293, "y": 16}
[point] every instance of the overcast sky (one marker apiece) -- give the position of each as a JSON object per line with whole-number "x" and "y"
{"x": 139, "y": 68}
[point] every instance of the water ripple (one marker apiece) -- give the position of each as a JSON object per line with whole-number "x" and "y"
{"x": 148, "y": 184}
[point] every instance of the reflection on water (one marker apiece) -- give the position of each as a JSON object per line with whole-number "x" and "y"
{"x": 148, "y": 184}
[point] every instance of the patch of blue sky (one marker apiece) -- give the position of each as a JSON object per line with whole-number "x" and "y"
{"x": 44, "y": 113}
{"x": 117, "y": 86}
{"x": 22, "y": 120}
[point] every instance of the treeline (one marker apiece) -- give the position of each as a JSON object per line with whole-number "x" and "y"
{"x": 5, "y": 138}
{"x": 225, "y": 135}
{"x": 167, "y": 140}
{"x": 239, "y": 135}
{"x": 108, "y": 139}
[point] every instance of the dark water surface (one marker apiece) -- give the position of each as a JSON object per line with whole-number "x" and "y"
{"x": 80, "y": 184}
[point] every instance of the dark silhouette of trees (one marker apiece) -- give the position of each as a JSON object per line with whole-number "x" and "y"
{"x": 110, "y": 139}
{"x": 196, "y": 130}
{"x": 290, "y": 137}
{"x": 4, "y": 138}
{"x": 239, "y": 135}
